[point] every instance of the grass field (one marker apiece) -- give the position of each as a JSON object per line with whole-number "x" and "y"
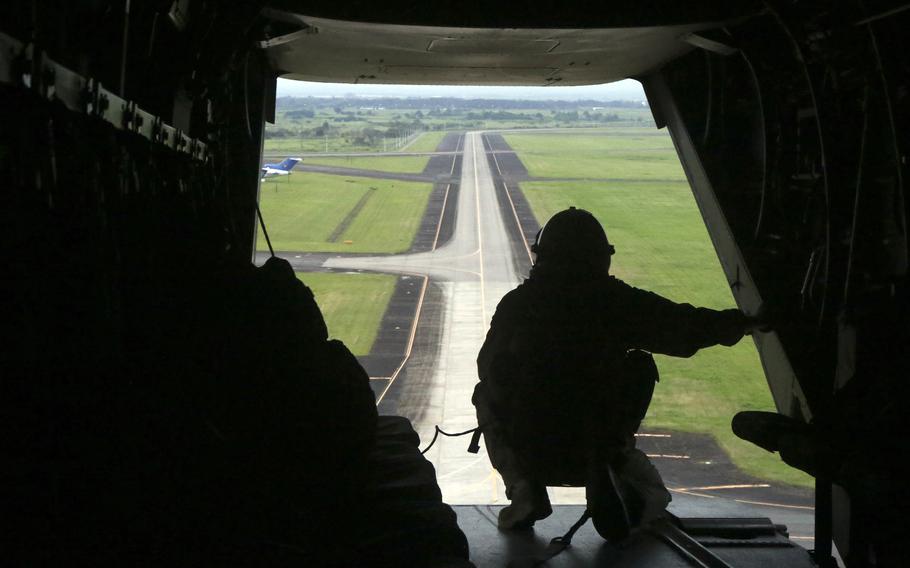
{"x": 301, "y": 212}
{"x": 663, "y": 246}
{"x": 352, "y": 304}
{"x": 403, "y": 164}
{"x": 629, "y": 154}
{"x": 336, "y": 142}
{"x": 426, "y": 142}
{"x": 293, "y": 146}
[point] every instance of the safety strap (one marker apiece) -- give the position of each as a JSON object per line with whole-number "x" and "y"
{"x": 474, "y": 446}
{"x": 264, "y": 232}
{"x": 560, "y": 543}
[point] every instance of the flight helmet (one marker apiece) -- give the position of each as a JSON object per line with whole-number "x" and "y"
{"x": 573, "y": 236}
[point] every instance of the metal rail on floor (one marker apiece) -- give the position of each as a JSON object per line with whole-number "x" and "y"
{"x": 685, "y": 545}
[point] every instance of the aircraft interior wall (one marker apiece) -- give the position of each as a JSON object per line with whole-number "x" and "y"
{"x": 795, "y": 116}
{"x": 128, "y": 202}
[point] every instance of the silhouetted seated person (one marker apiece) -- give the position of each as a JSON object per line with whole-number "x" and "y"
{"x": 299, "y": 418}
{"x": 290, "y": 410}
{"x": 563, "y": 386}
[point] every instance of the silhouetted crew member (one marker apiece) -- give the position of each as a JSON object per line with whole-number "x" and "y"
{"x": 564, "y": 386}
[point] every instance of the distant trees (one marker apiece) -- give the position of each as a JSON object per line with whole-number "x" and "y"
{"x": 448, "y": 106}
{"x": 355, "y": 121}
{"x": 280, "y": 133}
{"x": 368, "y": 137}
{"x": 566, "y": 116}
{"x": 302, "y": 113}
{"x": 497, "y": 115}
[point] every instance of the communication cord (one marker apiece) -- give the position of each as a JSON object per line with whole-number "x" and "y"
{"x": 444, "y": 433}
{"x": 557, "y": 544}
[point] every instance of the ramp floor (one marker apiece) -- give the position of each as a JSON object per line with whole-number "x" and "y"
{"x": 491, "y": 547}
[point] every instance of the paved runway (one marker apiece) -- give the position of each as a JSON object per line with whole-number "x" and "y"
{"x": 473, "y": 271}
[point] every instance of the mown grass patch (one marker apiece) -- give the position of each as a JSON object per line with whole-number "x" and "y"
{"x": 402, "y": 164}
{"x": 304, "y": 209}
{"x": 426, "y": 142}
{"x": 352, "y": 303}
{"x": 662, "y": 245}
{"x": 638, "y": 154}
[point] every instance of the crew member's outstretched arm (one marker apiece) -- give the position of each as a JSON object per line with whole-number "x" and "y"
{"x": 659, "y": 325}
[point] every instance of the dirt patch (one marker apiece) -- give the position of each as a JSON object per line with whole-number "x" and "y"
{"x": 349, "y": 218}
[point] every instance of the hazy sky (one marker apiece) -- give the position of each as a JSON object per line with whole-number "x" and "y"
{"x": 627, "y": 89}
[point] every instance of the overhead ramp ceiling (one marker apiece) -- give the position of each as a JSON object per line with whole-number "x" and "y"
{"x": 338, "y": 51}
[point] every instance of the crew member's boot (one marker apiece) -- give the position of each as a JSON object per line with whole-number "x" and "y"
{"x": 530, "y": 503}
{"x": 624, "y": 492}
{"x": 608, "y": 509}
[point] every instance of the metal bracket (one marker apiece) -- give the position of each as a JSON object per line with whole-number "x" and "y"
{"x": 24, "y": 65}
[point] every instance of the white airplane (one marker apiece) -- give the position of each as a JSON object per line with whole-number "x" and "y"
{"x": 280, "y": 169}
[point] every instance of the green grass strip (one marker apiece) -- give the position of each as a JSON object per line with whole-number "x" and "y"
{"x": 352, "y": 303}
{"x": 426, "y": 142}
{"x": 643, "y": 156}
{"x": 302, "y": 210}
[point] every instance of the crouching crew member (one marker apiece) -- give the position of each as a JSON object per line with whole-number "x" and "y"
{"x": 566, "y": 377}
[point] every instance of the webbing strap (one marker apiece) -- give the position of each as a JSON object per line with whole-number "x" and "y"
{"x": 474, "y": 446}
{"x": 264, "y": 232}
{"x": 560, "y": 543}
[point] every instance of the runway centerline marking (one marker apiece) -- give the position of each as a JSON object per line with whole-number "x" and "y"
{"x": 483, "y": 296}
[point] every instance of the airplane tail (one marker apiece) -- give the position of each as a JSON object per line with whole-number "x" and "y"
{"x": 287, "y": 164}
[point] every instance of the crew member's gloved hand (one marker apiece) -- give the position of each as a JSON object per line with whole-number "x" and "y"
{"x": 762, "y": 322}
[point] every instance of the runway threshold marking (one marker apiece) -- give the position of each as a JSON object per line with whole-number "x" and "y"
{"x": 410, "y": 347}
{"x": 524, "y": 237}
